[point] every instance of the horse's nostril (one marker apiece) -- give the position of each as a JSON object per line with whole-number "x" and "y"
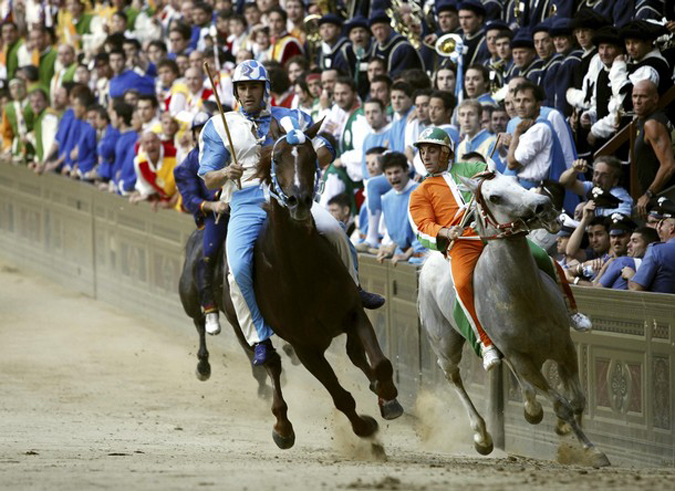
{"x": 292, "y": 200}
{"x": 539, "y": 209}
{"x": 308, "y": 201}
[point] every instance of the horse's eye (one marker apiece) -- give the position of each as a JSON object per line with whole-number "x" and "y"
{"x": 496, "y": 199}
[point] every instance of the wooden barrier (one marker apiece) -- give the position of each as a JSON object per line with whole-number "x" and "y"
{"x": 131, "y": 257}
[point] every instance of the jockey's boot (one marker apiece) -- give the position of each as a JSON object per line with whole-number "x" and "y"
{"x": 580, "y": 322}
{"x": 261, "y": 352}
{"x": 212, "y": 324}
{"x": 491, "y": 358}
{"x": 370, "y": 301}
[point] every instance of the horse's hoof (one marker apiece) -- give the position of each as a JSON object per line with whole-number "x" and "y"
{"x": 265, "y": 392}
{"x": 597, "y": 458}
{"x": 203, "y": 371}
{"x": 562, "y": 428}
{"x": 484, "y": 449}
{"x": 368, "y": 427}
{"x": 534, "y": 419}
{"x": 290, "y": 352}
{"x": 390, "y": 409}
{"x": 283, "y": 442}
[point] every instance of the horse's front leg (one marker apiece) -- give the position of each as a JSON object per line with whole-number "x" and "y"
{"x": 283, "y": 433}
{"x": 315, "y": 362}
{"x": 203, "y": 371}
{"x": 449, "y": 353}
{"x": 380, "y": 367}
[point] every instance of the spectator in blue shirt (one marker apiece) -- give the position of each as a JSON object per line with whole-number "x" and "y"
{"x": 123, "y": 179}
{"x": 657, "y": 271}
{"x": 637, "y": 247}
{"x": 607, "y": 174}
{"x": 400, "y": 242}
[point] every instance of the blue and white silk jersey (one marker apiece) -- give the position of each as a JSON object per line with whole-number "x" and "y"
{"x": 395, "y": 213}
{"x": 248, "y": 137}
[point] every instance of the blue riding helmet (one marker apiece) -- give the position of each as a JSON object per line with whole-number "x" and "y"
{"x": 252, "y": 71}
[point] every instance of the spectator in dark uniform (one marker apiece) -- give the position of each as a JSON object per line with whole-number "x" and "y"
{"x": 330, "y": 29}
{"x": 565, "y": 45}
{"x": 525, "y": 57}
{"x": 471, "y": 19}
{"x": 353, "y": 57}
{"x": 448, "y": 23}
{"x": 584, "y": 24}
{"x": 543, "y": 45}
{"x": 653, "y": 145}
{"x": 392, "y": 47}
{"x": 495, "y": 65}
{"x": 617, "y": 12}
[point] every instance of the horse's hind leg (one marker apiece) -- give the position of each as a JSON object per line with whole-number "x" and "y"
{"x": 449, "y": 353}
{"x": 282, "y": 434}
{"x": 561, "y": 406}
{"x": 203, "y": 371}
{"x": 315, "y": 362}
{"x": 532, "y": 409}
{"x": 380, "y": 366}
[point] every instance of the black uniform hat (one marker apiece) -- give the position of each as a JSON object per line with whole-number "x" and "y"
{"x": 446, "y": 5}
{"x": 664, "y": 208}
{"x": 641, "y": 29}
{"x": 608, "y": 35}
{"x": 497, "y": 24}
{"x": 358, "y": 21}
{"x": 621, "y": 224}
{"x": 379, "y": 17}
{"x": 543, "y": 26}
{"x": 331, "y": 19}
{"x": 561, "y": 27}
{"x": 602, "y": 198}
{"x": 473, "y": 5}
{"x": 522, "y": 39}
{"x": 589, "y": 19}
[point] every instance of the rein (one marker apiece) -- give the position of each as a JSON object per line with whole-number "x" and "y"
{"x": 276, "y": 191}
{"x": 509, "y": 230}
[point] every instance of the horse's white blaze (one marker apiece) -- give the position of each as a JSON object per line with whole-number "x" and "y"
{"x": 296, "y": 177}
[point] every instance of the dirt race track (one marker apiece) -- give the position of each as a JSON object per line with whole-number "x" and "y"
{"x": 91, "y": 398}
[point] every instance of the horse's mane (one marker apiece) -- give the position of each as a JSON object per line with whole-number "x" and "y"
{"x": 264, "y": 167}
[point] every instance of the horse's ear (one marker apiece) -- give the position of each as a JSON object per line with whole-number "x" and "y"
{"x": 276, "y": 130}
{"x": 314, "y": 129}
{"x": 471, "y": 184}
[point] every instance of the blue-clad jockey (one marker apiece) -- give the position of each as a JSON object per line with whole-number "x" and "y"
{"x": 249, "y": 128}
{"x": 205, "y": 207}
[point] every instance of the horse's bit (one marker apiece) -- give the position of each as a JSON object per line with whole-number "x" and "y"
{"x": 507, "y": 230}
{"x": 276, "y": 192}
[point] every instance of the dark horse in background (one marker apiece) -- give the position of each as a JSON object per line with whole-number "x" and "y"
{"x": 189, "y": 296}
{"x": 305, "y": 292}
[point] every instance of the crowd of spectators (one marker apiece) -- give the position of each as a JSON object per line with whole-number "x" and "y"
{"x": 106, "y": 92}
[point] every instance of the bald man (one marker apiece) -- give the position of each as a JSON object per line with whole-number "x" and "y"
{"x": 154, "y": 166}
{"x": 653, "y": 146}
{"x": 66, "y": 61}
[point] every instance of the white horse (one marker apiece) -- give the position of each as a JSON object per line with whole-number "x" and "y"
{"x": 520, "y": 308}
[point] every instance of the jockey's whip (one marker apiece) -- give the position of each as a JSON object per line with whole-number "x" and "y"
{"x": 227, "y": 129}
{"x": 222, "y": 116}
{"x": 473, "y": 197}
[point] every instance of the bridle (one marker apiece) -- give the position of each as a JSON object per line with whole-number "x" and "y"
{"x": 509, "y": 230}
{"x": 275, "y": 191}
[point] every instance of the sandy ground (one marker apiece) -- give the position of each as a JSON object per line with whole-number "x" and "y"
{"x": 91, "y": 398}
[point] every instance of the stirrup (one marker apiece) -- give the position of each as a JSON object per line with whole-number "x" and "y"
{"x": 580, "y": 322}
{"x": 212, "y": 323}
{"x": 491, "y": 358}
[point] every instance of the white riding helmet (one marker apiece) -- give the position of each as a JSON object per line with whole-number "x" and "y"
{"x": 252, "y": 71}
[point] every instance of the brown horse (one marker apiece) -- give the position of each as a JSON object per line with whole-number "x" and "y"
{"x": 307, "y": 295}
